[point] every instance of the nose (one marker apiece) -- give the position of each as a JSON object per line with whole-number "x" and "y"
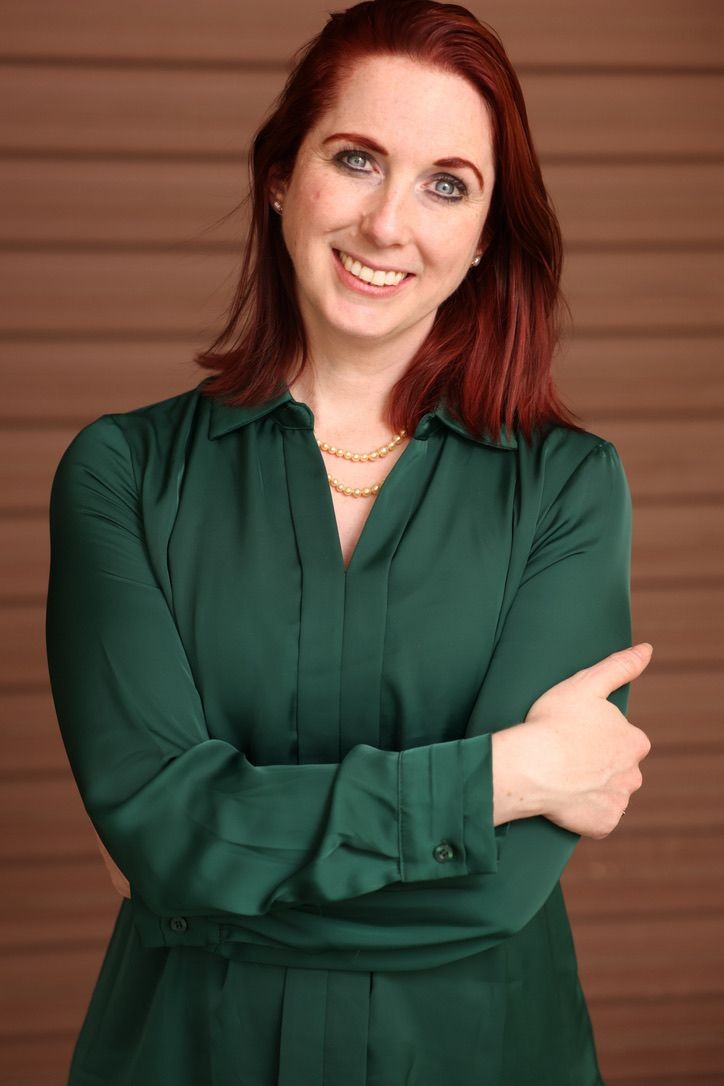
{"x": 387, "y": 219}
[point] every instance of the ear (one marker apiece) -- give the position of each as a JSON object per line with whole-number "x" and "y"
{"x": 276, "y": 187}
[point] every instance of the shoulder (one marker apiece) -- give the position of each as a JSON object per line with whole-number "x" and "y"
{"x": 573, "y": 480}
{"x": 555, "y": 456}
{"x": 567, "y": 477}
{"x": 121, "y": 441}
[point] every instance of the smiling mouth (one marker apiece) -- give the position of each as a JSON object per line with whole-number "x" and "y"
{"x": 375, "y": 277}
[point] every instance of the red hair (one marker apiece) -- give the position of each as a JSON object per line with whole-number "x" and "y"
{"x": 489, "y": 352}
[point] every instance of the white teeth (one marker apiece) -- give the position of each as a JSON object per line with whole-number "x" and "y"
{"x": 367, "y": 275}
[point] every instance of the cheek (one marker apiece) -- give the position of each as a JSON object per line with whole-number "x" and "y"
{"x": 448, "y": 249}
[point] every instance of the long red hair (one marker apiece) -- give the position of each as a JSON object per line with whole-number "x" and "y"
{"x": 489, "y": 352}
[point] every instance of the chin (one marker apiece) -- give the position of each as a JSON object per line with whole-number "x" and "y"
{"x": 367, "y": 327}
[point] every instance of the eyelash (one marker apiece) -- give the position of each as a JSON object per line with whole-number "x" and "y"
{"x": 459, "y": 185}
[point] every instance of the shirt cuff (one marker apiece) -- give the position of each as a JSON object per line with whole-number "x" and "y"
{"x": 445, "y": 813}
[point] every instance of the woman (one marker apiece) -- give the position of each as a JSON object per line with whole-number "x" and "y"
{"x": 332, "y": 636}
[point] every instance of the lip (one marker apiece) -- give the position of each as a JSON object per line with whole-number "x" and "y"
{"x": 369, "y": 264}
{"x": 360, "y": 286}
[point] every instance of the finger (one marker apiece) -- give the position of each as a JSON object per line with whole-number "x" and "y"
{"x": 613, "y": 671}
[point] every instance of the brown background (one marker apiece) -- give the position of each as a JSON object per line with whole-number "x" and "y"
{"x": 122, "y": 138}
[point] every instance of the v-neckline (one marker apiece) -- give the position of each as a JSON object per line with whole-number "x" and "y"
{"x": 416, "y": 447}
{"x": 333, "y": 516}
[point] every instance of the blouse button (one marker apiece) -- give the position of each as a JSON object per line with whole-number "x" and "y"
{"x": 444, "y": 851}
{"x": 178, "y": 923}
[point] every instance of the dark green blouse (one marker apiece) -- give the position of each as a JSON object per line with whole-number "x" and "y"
{"x": 291, "y": 762}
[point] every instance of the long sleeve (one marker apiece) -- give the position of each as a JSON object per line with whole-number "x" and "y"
{"x": 192, "y": 823}
{"x": 571, "y": 609}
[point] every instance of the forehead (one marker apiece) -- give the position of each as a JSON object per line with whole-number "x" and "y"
{"x": 411, "y": 107}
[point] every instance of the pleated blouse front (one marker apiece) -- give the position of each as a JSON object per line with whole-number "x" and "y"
{"x": 291, "y": 762}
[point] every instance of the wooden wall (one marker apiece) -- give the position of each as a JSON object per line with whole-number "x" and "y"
{"x": 122, "y": 137}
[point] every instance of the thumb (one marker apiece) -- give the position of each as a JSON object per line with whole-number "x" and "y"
{"x": 620, "y": 667}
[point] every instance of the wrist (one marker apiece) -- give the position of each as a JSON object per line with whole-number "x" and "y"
{"x": 516, "y": 791}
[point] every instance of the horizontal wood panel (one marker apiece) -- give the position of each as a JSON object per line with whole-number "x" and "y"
{"x": 645, "y": 292}
{"x": 141, "y": 203}
{"x": 631, "y": 203}
{"x": 664, "y": 460}
{"x": 639, "y": 377}
{"x": 30, "y": 740}
{"x": 82, "y": 380}
{"x": 188, "y": 292}
{"x": 680, "y": 541}
{"x": 652, "y": 957}
{"x": 599, "y": 378}
{"x": 45, "y": 817}
{"x": 685, "y": 626}
{"x": 59, "y": 1002}
{"x": 638, "y": 32}
{"x": 160, "y": 111}
{"x": 59, "y": 293}
{"x": 627, "y": 876}
{"x": 637, "y": 1039}
{"x": 676, "y": 707}
{"x": 37, "y": 1060}
{"x": 667, "y": 460}
{"x": 47, "y": 904}
{"x": 151, "y": 203}
{"x": 685, "y": 1079}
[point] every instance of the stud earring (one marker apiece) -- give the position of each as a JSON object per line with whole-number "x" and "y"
{"x": 277, "y": 206}
{"x": 475, "y": 262}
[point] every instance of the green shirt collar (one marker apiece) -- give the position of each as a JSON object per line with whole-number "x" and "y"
{"x": 225, "y": 417}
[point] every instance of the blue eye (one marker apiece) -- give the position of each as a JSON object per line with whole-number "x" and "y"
{"x": 459, "y": 186}
{"x": 447, "y": 179}
{"x": 353, "y": 154}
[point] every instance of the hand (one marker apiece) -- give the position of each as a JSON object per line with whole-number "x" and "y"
{"x": 119, "y": 880}
{"x": 575, "y": 759}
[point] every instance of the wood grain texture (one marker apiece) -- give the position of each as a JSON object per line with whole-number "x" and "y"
{"x": 97, "y": 109}
{"x": 607, "y": 33}
{"x": 643, "y": 1041}
{"x": 39, "y": 1060}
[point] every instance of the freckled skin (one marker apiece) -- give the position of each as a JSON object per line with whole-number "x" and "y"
{"x": 386, "y": 211}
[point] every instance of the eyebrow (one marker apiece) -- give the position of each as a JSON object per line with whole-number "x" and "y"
{"x": 449, "y": 163}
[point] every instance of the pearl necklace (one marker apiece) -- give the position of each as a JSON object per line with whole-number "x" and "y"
{"x": 347, "y": 454}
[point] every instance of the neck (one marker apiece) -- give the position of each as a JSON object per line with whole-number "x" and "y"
{"x": 347, "y": 385}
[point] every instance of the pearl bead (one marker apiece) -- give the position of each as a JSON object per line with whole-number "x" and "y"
{"x": 366, "y": 457}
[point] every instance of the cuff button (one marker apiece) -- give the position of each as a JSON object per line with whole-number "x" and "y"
{"x": 444, "y": 851}
{"x": 178, "y": 923}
